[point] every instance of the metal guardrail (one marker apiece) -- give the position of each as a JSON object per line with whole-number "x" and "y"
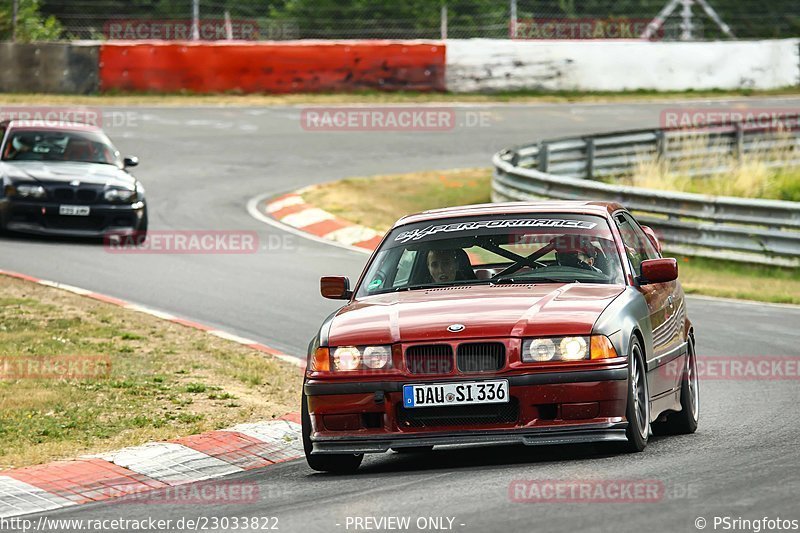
{"x": 739, "y": 229}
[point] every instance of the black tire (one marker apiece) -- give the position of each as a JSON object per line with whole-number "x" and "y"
{"x": 684, "y": 421}
{"x": 335, "y": 463}
{"x": 638, "y": 409}
{"x": 414, "y": 449}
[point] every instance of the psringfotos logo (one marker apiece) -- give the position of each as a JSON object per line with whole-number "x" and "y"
{"x": 56, "y": 367}
{"x": 586, "y": 491}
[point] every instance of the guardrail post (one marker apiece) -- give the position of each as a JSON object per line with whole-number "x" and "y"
{"x": 544, "y": 157}
{"x": 590, "y": 158}
{"x": 661, "y": 145}
{"x": 739, "y": 142}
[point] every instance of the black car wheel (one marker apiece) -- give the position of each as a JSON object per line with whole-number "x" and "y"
{"x": 336, "y": 463}
{"x": 685, "y": 420}
{"x": 638, "y": 410}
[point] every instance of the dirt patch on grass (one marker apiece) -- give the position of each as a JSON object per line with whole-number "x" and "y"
{"x": 162, "y": 380}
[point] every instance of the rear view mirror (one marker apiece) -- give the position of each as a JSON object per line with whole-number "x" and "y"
{"x": 652, "y": 236}
{"x": 130, "y": 161}
{"x": 659, "y": 270}
{"x": 335, "y": 287}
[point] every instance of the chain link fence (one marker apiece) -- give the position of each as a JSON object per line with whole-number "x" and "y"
{"x": 411, "y": 19}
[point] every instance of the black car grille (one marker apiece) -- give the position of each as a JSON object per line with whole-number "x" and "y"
{"x": 459, "y": 415}
{"x": 81, "y": 195}
{"x": 481, "y": 357}
{"x": 430, "y": 359}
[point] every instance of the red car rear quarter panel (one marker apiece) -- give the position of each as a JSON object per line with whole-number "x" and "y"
{"x": 486, "y": 311}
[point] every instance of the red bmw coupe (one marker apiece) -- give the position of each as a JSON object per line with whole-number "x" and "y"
{"x": 532, "y": 323}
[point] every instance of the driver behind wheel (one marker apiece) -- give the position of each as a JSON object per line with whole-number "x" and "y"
{"x": 445, "y": 266}
{"x": 582, "y": 257}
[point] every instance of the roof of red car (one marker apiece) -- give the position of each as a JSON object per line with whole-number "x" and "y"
{"x": 51, "y": 125}
{"x": 552, "y": 206}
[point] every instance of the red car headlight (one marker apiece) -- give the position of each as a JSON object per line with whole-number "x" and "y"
{"x": 350, "y": 358}
{"x": 572, "y": 348}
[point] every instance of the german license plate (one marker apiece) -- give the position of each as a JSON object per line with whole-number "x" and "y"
{"x": 465, "y": 393}
{"x": 74, "y": 210}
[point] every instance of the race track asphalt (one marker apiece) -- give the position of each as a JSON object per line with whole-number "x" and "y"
{"x": 200, "y": 167}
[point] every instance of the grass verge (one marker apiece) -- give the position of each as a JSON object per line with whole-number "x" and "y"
{"x": 375, "y": 97}
{"x": 163, "y": 380}
{"x": 364, "y": 201}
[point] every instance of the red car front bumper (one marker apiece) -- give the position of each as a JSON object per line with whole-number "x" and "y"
{"x": 543, "y": 408}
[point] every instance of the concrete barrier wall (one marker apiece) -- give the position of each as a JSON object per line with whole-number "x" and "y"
{"x": 499, "y": 65}
{"x": 49, "y": 67}
{"x": 457, "y": 65}
{"x": 272, "y": 67}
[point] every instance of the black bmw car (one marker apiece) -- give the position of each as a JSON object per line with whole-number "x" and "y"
{"x": 67, "y": 179}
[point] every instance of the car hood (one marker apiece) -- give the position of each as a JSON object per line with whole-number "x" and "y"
{"x": 484, "y": 310}
{"x": 65, "y": 172}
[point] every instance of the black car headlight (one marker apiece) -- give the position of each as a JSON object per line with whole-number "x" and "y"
{"x": 118, "y": 196}
{"x": 26, "y": 190}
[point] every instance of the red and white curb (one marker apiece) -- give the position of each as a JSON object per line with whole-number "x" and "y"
{"x": 156, "y": 465}
{"x": 153, "y": 465}
{"x": 291, "y": 213}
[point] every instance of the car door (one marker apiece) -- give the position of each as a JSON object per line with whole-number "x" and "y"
{"x": 659, "y": 298}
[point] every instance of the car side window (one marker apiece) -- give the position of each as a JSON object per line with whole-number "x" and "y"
{"x": 404, "y": 267}
{"x": 637, "y": 246}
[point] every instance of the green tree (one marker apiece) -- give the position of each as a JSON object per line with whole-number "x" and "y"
{"x": 31, "y": 24}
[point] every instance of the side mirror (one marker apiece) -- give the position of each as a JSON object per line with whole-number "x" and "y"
{"x": 659, "y": 270}
{"x": 130, "y": 161}
{"x": 652, "y": 236}
{"x": 335, "y": 287}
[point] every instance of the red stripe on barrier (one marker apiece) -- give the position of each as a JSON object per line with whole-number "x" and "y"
{"x": 298, "y": 66}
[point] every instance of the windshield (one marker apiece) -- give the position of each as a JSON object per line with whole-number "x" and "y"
{"x": 75, "y": 146}
{"x": 522, "y": 248}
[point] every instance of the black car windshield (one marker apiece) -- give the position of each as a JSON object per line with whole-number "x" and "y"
{"x": 54, "y": 145}
{"x": 520, "y": 248}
